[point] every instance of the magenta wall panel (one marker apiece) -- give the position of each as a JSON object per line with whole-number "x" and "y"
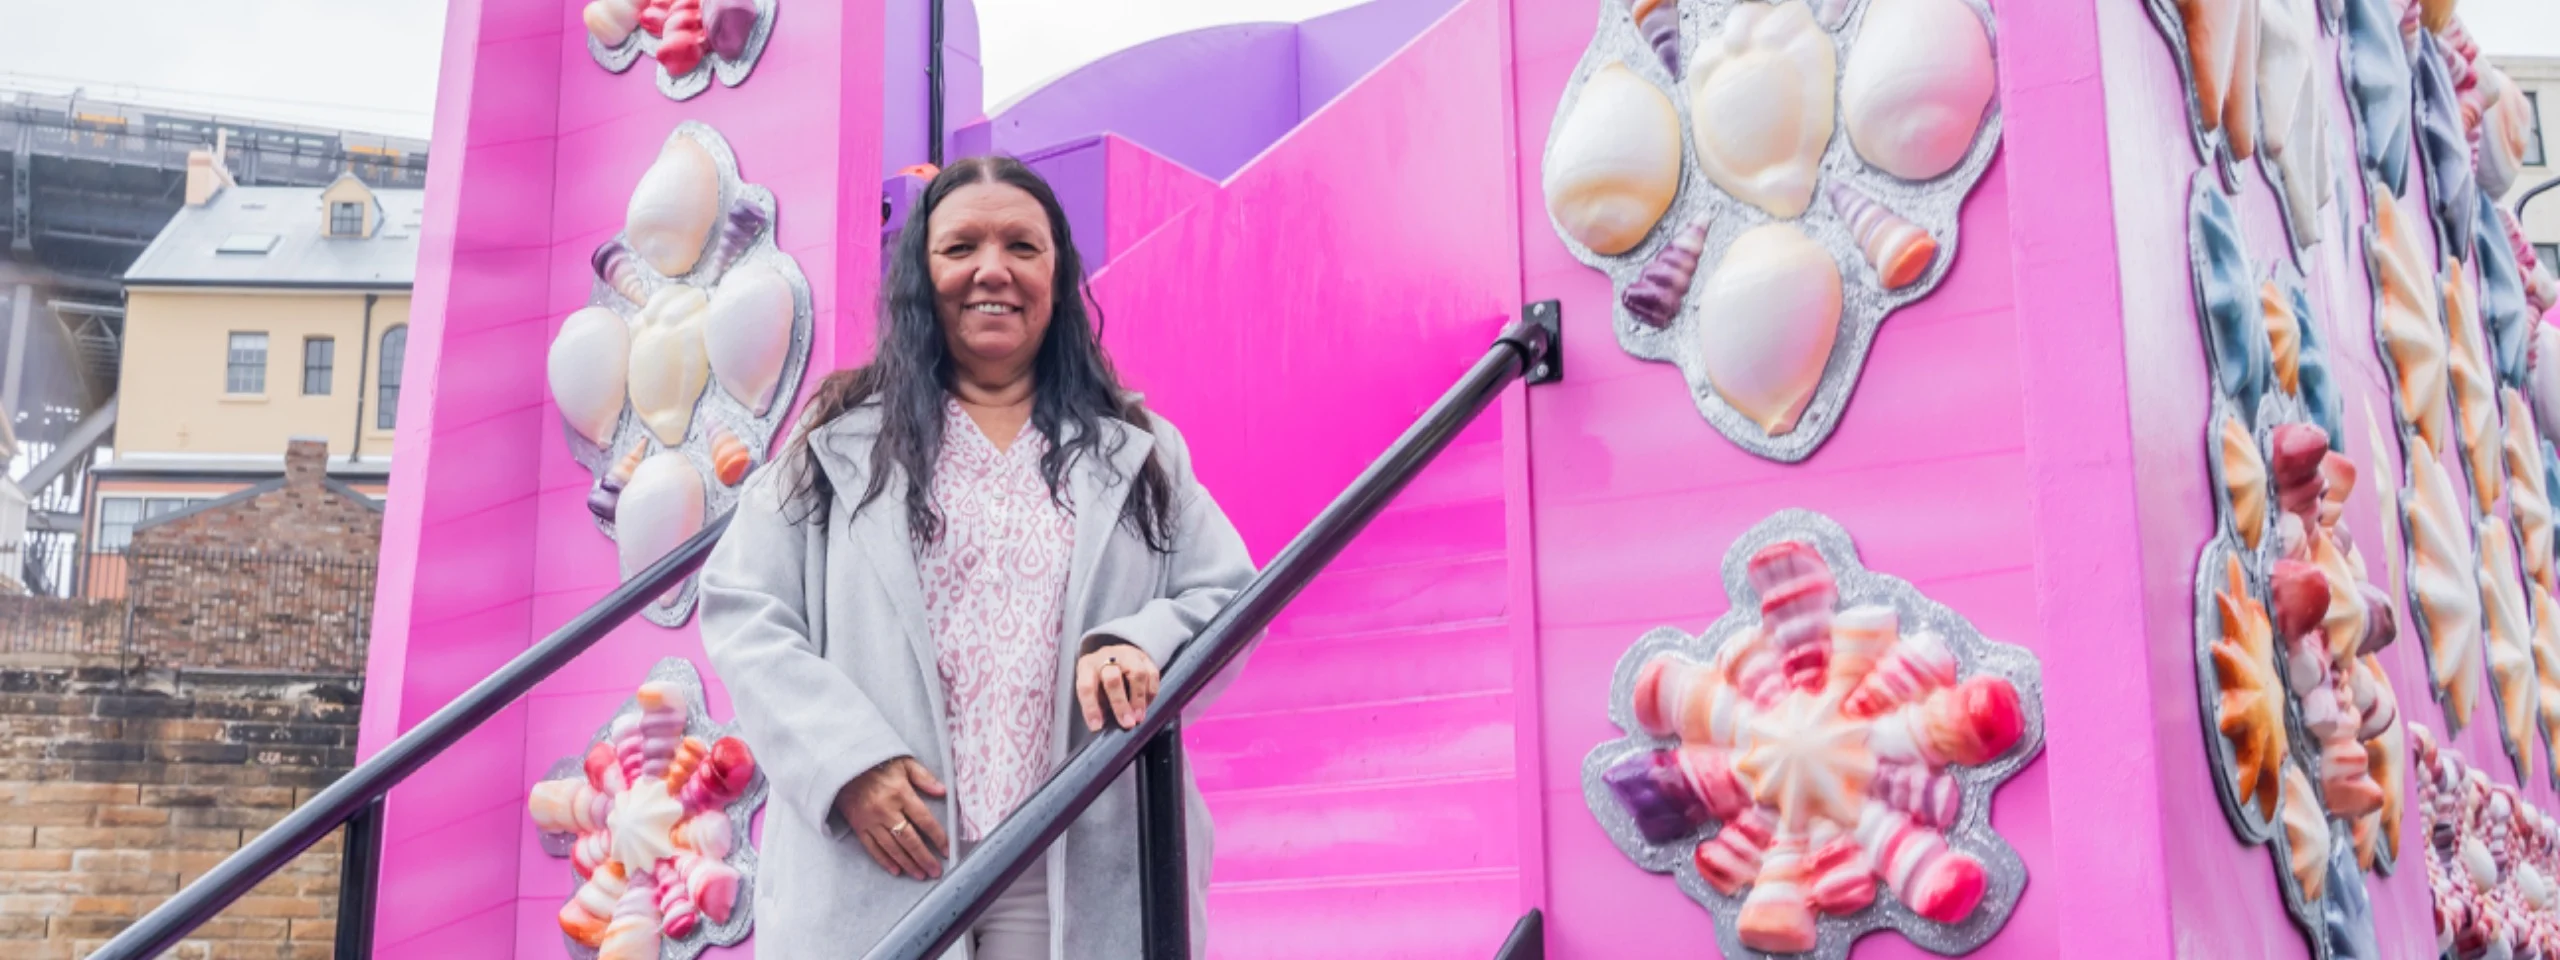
{"x": 1360, "y": 769}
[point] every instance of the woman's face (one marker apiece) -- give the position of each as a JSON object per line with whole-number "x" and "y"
{"x": 992, "y": 264}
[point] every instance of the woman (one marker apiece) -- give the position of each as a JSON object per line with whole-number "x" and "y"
{"x": 971, "y": 555}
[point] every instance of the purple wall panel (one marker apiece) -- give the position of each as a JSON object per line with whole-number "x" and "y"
{"x": 1337, "y": 49}
{"x": 1210, "y": 99}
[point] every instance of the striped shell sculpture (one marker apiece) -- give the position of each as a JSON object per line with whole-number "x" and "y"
{"x": 652, "y": 819}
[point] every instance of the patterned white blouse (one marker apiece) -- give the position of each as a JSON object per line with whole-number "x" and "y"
{"x": 995, "y": 588}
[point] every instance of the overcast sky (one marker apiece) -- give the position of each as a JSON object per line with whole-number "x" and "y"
{"x": 371, "y": 64}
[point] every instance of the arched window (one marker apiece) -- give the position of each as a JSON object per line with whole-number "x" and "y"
{"x": 395, "y": 347}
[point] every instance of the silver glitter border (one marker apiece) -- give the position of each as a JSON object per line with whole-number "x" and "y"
{"x": 1933, "y": 205}
{"x": 620, "y": 58}
{"x": 1971, "y": 833}
{"x": 744, "y": 859}
{"x": 715, "y": 406}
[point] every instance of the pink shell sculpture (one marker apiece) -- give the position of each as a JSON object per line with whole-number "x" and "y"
{"x": 1766, "y": 77}
{"x": 1823, "y": 752}
{"x": 645, "y": 817}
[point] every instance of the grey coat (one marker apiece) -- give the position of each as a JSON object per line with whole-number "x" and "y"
{"x": 821, "y": 638}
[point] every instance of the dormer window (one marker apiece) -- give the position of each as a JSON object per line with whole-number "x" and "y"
{"x": 346, "y": 219}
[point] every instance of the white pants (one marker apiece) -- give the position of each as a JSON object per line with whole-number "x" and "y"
{"x": 1016, "y": 926}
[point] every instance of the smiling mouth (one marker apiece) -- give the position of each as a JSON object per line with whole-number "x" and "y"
{"x": 994, "y": 309}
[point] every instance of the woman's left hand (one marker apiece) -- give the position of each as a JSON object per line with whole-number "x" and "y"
{"x": 1120, "y": 677}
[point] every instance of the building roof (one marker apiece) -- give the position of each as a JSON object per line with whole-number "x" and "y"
{"x": 216, "y": 466}
{"x": 276, "y": 239}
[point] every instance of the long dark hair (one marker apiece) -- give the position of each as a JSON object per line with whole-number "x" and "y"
{"x": 911, "y": 372}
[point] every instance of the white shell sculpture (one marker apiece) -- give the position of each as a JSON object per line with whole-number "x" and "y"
{"x": 1917, "y": 86}
{"x": 1761, "y": 91}
{"x": 660, "y": 508}
{"x": 2544, "y": 381}
{"x": 2292, "y": 113}
{"x": 2408, "y": 315}
{"x": 2506, "y": 129}
{"x": 1767, "y": 317}
{"x": 587, "y": 365}
{"x": 668, "y": 366}
{"x": 747, "y": 333}
{"x": 673, "y": 207}
{"x": 1614, "y": 167}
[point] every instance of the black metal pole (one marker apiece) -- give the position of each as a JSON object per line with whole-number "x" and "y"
{"x": 359, "y": 870}
{"x": 937, "y": 921}
{"x": 165, "y": 925}
{"x": 933, "y": 84}
{"x": 2527, "y": 197}
{"x": 1528, "y": 940}
{"x": 1164, "y": 875}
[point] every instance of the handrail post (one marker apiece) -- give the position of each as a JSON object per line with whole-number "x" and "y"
{"x": 1164, "y": 875}
{"x": 359, "y": 871}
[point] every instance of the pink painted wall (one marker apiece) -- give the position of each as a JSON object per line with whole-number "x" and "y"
{"x": 1635, "y": 500}
{"x": 1363, "y": 767}
{"x": 491, "y": 546}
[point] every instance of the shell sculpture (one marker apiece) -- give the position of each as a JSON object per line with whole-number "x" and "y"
{"x": 2510, "y": 637}
{"x": 661, "y": 508}
{"x": 2251, "y": 712}
{"x": 673, "y": 206}
{"x": 606, "y": 499}
{"x": 2543, "y": 380}
{"x": 2306, "y": 834}
{"x": 2506, "y": 132}
{"x": 1659, "y": 22}
{"x": 2528, "y": 495}
{"x": 1762, "y": 88}
{"x": 2244, "y": 482}
{"x": 2541, "y": 289}
{"x": 1898, "y": 249}
{"x": 682, "y": 35}
{"x": 2284, "y": 335}
{"x": 589, "y": 361}
{"x": 746, "y": 333}
{"x": 1817, "y": 759}
{"x": 1614, "y": 166}
{"x": 669, "y": 363}
{"x": 1769, "y": 315}
{"x": 2503, "y": 310}
{"x": 2546, "y": 665}
{"x": 2222, "y": 60}
{"x": 1655, "y": 297}
{"x": 2490, "y": 857}
{"x": 2226, "y": 296}
{"x": 2378, "y": 88}
{"x": 2407, "y": 320}
{"x": 1917, "y": 86}
{"x": 2443, "y": 586}
{"x": 665, "y": 824}
{"x": 2452, "y": 194}
{"x": 2474, "y": 387}
{"x": 729, "y": 457}
{"x": 2294, "y": 112}
{"x": 2319, "y": 389}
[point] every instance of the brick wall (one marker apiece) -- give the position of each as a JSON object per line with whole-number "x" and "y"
{"x": 118, "y": 787}
{"x": 307, "y": 514}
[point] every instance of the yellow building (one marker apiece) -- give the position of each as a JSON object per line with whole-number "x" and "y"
{"x": 259, "y": 315}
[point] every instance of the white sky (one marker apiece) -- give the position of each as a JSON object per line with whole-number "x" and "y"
{"x": 371, "y": 64}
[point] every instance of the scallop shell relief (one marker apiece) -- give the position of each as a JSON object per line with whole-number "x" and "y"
{"x": 672, "y": 383}
{"x": 1820, "y": 762}
{"x": 1765, "y": 182}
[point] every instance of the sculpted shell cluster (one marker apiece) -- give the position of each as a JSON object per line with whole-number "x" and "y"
{"x": 1748, "y": 252}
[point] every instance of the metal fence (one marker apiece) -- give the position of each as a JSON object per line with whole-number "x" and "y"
{"x": 202, "y": 609}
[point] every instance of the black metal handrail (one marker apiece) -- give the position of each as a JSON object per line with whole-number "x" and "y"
{"x": 362, "y": 788}
{"x": 1528, "y": 940}
{"x": 1525, "y": 349}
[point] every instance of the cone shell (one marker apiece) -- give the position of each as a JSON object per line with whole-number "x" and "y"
{"x": 620, "y": 269}
{"x": 662, "y": 506}
{"x": 1615, "y": 163}
{"x": 729, "y": 457}
{"x": 746, "y": 333}
{"x": 1654, "y": 298}
{"x": 673, "y": 206}
{"x": 1659, "y": 22}
{"x": 738, "y": 231}
{"x": 1762, "y": 85}
{"x": 1768, "y": 316}
{"x": 587, "y": 366}
{"x": 1917, "y": 86}
{"x": 1898, "y": 249}
{"x": 668, "y": 364}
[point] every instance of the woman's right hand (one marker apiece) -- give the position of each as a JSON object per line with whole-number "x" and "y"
{"x": 882, "y": 806}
